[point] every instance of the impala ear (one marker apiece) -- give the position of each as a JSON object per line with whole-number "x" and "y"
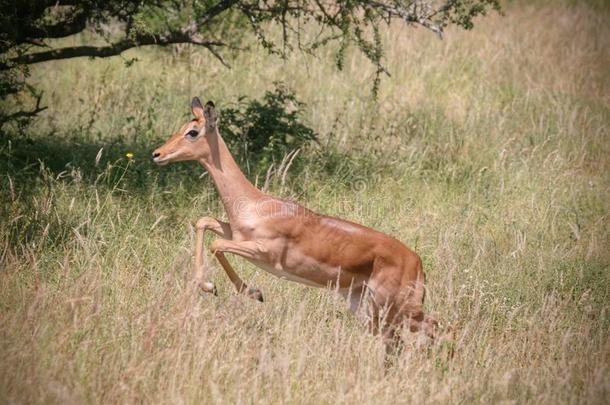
{"x": 197, "y": 108}
{"x": 210, "y": 115}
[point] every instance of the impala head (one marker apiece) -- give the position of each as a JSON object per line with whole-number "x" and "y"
{"x": 192, "y": 141}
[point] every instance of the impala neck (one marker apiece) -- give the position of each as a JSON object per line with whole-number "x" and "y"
{"x": 236, "y": 191}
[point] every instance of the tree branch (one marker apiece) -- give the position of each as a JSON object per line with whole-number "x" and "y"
{"x": 215, "y": 10}
{"x": 24, "y": 114}
{"x": 117, "y": 48}
{"x": 75, "y": 24}
{"x": 413, "y": 16}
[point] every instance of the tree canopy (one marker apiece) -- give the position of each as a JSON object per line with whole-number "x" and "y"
{"x": 27, "y": 28}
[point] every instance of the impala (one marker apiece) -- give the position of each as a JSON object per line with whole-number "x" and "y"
{"x": 380, "y": 276}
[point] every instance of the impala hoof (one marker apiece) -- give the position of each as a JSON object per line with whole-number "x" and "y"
{"x": 255, "y": 294}
{"x": 207, "y": 287}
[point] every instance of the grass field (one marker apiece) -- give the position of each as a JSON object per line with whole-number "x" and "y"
{"x": 487, "y": 152}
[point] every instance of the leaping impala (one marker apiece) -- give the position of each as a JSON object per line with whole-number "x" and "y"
{"x": 374, "y": 271}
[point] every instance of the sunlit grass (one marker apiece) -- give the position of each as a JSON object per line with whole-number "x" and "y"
{"x": 486, "y": 152}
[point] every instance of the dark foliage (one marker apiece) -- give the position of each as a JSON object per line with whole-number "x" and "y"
{"x": 263, "y": 132}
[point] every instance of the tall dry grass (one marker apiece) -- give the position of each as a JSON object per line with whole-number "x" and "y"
{"x": 486, "y": 152}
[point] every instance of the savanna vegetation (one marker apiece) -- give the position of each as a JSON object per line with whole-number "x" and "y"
{"x": 487, "y": 152}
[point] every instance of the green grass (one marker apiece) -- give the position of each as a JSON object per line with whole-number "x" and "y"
{"x": 486, "y": 152}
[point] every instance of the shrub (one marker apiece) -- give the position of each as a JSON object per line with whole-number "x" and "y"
{"x": 260, "y": 133}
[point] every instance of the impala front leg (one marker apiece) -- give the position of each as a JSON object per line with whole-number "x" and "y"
{"x": 247, "y": 249}
{"x": 221, "y": 229}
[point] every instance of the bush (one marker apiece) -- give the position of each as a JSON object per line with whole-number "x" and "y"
{"x": 260, "y": 133}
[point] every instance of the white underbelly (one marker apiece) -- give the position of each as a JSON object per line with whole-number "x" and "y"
{"x": 281, "y": 273}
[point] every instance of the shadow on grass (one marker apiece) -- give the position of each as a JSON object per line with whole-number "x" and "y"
{"x": 40, "y": 175}
{"x": 25, "y": 162}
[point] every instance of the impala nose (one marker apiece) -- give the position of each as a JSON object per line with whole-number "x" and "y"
{"x": 155, "y": 155}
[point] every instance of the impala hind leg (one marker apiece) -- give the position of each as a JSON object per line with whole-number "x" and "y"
{"x": 414, "y": 316}
{"x": 394, "y": 305}
{"x": 380, "y": 324}
{"x": 362, "y": 304}
{"x": 246, "y": 249}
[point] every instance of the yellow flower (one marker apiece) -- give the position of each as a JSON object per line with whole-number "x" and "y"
{"x": 129, "y": 155}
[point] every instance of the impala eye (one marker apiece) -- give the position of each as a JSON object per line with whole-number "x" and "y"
{"x": 192, "y": 134}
